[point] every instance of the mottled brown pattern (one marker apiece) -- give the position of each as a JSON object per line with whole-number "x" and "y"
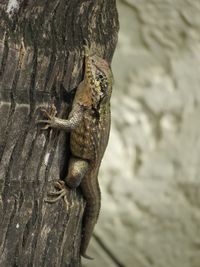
{"x": 89, "y": 139}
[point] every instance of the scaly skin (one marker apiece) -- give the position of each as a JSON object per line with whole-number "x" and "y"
{"x": 89, "y": 123}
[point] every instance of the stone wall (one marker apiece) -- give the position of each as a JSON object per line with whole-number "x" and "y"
{"x": 150, "y": 174}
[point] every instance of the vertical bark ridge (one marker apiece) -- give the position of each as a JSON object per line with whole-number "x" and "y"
{"x": 4, "y": 55}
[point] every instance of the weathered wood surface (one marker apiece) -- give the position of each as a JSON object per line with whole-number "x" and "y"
{"x": 41, "y": 61}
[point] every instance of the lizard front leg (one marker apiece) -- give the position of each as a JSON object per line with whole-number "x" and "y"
{"x": 52, "y": 121}
{"x": 77, "y": 170}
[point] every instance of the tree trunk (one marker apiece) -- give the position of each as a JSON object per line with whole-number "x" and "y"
{"x": 41, "y": 61}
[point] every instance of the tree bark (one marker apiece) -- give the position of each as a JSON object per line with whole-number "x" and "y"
{"x": 41, "y": 61}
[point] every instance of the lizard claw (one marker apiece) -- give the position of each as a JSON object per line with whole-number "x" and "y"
{"x": 59, "y": 184}
{"x": 46, "y": 113}
{"x": 50, "y": 117}
{"x": 47, "y": 122}
{"x": 45, "y": 127}
{"x": 49, "y": 114}
{"x": 57, "y": 195}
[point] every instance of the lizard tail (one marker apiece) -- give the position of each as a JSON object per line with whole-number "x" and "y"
{"x": 92, "y": 196}
{"x": 89, "y": 220}
{"x": 87, "y": 257}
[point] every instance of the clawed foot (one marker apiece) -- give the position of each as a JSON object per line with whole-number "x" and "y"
{"x": 57, "y": 195}
{"x": 50, "y": 115}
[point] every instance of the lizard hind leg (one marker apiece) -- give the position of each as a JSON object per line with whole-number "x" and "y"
{"x": 76, "y": 172}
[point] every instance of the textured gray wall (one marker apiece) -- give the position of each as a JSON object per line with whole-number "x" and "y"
{"x": 151, "y": 171}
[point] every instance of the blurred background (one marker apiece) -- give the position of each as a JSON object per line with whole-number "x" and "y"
{"x": 150, "y": 173}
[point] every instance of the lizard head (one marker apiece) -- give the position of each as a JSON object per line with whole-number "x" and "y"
{"x": 98, "y": 76}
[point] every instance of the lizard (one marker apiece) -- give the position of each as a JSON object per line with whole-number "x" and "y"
{"x": 89, "y": 127}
